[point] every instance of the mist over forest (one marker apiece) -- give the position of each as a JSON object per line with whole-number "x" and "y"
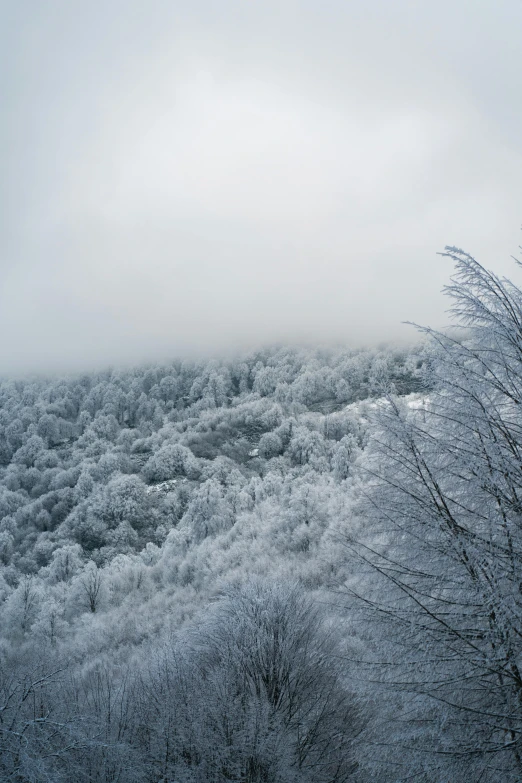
{"x": 296, "y": 565}
{"x": 260, "y": 445}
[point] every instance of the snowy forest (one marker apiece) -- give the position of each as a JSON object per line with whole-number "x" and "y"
{"x": 300, "y": 565}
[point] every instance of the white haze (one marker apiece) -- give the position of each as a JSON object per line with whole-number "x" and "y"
{"x": 195, "y": 177}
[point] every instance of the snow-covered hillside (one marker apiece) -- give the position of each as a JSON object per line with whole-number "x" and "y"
{"x": 130, "y": 500}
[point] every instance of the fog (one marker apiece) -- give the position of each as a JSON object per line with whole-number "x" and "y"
{"x": 199, "y": 177}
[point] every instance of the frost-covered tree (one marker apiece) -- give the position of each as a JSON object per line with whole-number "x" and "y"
{"x": 441, "y": 567}
{"x": 169, "y": 461}
{"x": 254, "y": 693}
{"x": 89, "y": 586}
{"x": 48, "y": 428}
{"x": 65, "y": 563}
{"x": 208, "y": 512}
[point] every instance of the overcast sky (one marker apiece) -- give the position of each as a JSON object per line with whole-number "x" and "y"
{"x": 182, "y": 176}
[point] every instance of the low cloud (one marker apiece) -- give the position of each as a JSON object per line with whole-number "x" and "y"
{"x": 196, "y": 181}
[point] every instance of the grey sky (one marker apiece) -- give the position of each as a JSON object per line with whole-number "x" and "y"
{"x": 187, "y": 176}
